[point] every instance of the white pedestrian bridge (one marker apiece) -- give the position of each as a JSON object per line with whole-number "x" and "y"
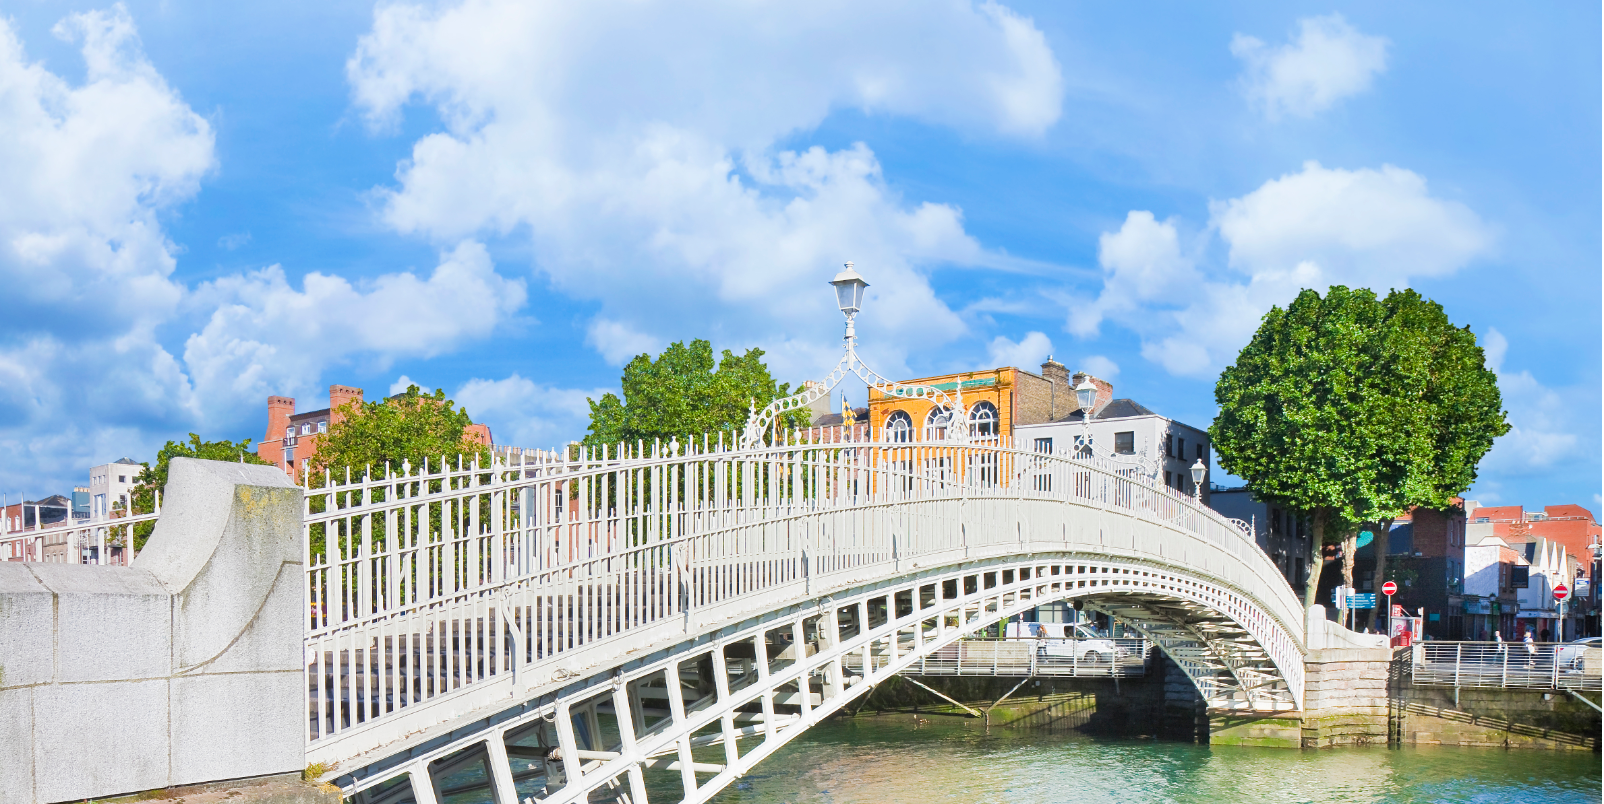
{"x": 649, "y": 622}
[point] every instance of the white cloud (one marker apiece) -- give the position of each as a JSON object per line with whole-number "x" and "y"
{"x": 84, "y": 378}
{"x": 1029, "y": 353}
{"x": 265, "y": 336}
{"x": 87, "y": 270}
{"x": 1376, "y": 228}
{"x": 1542, "y": 420}
{"x": 525, "y": 413}
{"x": 1099, "y": 366}
{"x": 650, "y": 182}
{"x": 1328, "y": 60}
{"x": 619, "y": 342}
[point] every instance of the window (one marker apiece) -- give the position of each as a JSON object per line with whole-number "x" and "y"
{"x": 289, "y": 456}
{"x": 1169, "y": 446}
{"x": 983, "y": 420}
{"x": 306, "y": 429}
{"x": 1125, "y": 443}
{"x": 323, "y": 427}
{"x": 936, "y": 422}
{"x": 899, "y": 427}
{"x": 1180, "y": 448}
{"x": 122, "y": 478}
{"x": 1044, "y": 446}
{"x": 1200, "y": 452}
{"x": 289, "y": 432}
{"x": 1168, "y": 479}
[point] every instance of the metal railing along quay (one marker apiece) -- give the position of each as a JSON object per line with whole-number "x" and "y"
{"x": 1543, "y": 665}
{"x": 1024, "y": 657}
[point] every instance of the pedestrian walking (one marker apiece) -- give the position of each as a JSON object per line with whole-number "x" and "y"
{"x": 1531, "y": 649}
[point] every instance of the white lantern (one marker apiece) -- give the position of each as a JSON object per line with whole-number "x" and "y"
{"x": 1198, "y": 471}
{"x": 1086, "y": 395}
{"x": 849, "y": 290}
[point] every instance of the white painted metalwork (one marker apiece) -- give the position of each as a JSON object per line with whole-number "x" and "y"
{"x": 100, "y": 531}
{"x": 1024, "y": 657}
{"x": 437, "y": 594}
{"x": 1541, "y": 665}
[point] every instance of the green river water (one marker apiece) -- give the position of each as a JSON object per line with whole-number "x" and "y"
{"x": 892, "y": 759}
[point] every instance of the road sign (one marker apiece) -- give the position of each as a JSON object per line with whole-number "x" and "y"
{"x": 1561, "y": 592}
{"x": 1389, "y": 588}
{"x": 1362, "y": 601}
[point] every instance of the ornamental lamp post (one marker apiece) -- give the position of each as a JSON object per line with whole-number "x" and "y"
{"x": 849, "y": 297}
{"x": 1198, "y": 471}
{"x": 1086, "y": 396}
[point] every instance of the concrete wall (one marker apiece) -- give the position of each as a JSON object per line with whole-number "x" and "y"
{"x": 183, "y": 668}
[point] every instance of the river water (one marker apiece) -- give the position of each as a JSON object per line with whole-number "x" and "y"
{"x": 890, "y": 759}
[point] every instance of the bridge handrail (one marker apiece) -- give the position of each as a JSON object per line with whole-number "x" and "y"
{"x": 666, "y": 523}
{"x": 1163, "y": 505}
{"x": 97, "y": 530}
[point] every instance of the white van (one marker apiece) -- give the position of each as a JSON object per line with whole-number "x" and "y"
{"x": 1066, "y": 640}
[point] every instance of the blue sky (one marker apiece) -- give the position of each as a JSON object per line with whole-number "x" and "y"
{"x": 205, "y": 205}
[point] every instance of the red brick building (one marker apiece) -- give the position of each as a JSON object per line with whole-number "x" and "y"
{"x": 292, "y": 438}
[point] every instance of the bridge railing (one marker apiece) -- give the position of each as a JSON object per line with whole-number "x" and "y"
{"x": 1542, "y": 665}
{"x": 1025, "y": 657}
{"x": 423, "y": 581}
{"x": 109, "y": 536}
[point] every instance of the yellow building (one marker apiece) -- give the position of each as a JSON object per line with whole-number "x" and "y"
{"x": 998, "y": 400}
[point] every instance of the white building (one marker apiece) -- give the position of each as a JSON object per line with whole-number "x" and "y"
{"x": 112, "y": 483}
{"x": 1125, "y": 429}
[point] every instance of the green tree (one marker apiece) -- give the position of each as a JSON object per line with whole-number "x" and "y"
{"x": 1353, "y": 409}
{"x": 683, "y": 395}
{"x": 1304, "y": 418}
{"x": 1456, "y": 407}
{"x": 411, "y": 426}
{"x": 153, "y": 479}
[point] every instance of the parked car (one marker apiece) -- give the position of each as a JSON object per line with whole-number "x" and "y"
{"x": 1576, "y": 652}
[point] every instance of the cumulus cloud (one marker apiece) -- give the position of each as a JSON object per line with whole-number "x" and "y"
{"x": 652, "y": 183}
{"x": 525, "y": 413}
{"x": 1542, "y": 423}
{"x": 88, "y": 271}
{"x": 1099, "y": 366}
{"x": 1326, "y": 61}
{"x": 1029, "y": 353}
{"x": 1376, "y": 228}
{"x": 266, "y": 336}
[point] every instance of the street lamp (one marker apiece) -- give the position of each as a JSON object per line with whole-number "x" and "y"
{"x": 1086, "y": 396}
{"x": 1198, "y": 471}
{"x": 849, "y": 297}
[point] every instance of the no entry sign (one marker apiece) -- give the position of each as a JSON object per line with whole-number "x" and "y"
{"x": 1561, "y": 591}
{"x": 1389, "y": 588}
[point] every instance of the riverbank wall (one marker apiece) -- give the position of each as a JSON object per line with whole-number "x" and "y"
{"x": 1352, "y": 697}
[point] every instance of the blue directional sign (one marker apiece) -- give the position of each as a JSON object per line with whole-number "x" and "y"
{"x": 1364, "y": 601}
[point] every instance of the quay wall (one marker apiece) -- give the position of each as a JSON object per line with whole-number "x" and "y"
{"x": 180, "y": 669}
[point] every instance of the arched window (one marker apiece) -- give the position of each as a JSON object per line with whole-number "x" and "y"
{"x": 899, "y": 427}
{"x": 983, "y": 420}
{"x": 936, "y": 423}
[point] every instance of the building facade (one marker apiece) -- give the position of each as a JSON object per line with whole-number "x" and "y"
{"x": 999, "y": 400}
{"x": 1123, "y": 429}
{"x": 111, "y": 486}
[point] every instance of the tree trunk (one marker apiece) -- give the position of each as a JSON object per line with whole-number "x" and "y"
{"x": 1380, "y": 576}
{"x": 1311, "y": 587}
{"x": 1350, "y": 545}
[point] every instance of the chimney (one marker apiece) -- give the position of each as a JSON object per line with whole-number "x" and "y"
{"x": 339, "y": 397}
{"x": 1105, "y": 391}
{"x": 1057, "y": 377}
{"x": 279, "y": 411}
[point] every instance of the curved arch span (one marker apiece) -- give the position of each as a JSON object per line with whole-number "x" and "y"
{"x": 708, "y": 709}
